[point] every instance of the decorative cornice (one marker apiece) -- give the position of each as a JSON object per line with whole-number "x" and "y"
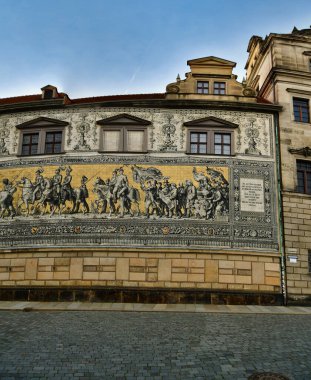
{"x": 124, "y": 119}
{"x": 306, "y": 151}
{"x": 298, "y": 91}
{"x": 42, "y": 122}
{"x": 224, "y": 105}
{"x": 210, "y": 121}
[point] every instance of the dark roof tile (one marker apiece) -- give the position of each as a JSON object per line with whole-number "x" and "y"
{"x": 118, "y": 97}
{"x": 21, "y": 99}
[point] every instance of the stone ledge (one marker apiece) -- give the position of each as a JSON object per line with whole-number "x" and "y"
{"x": 133, "y": 295}
{"x": 299, "y": 300}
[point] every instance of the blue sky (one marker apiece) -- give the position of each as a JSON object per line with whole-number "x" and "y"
{"x": 101, "y": 47}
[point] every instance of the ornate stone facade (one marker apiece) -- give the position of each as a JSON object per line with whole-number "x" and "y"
{"x": 165, "y": 197}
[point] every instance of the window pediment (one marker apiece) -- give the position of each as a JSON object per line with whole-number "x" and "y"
{"x": 124, "y": 119}
{"x": 42, "y": 122}
{"x": 212, "y": 122}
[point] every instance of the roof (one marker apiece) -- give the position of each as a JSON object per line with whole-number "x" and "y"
{"x": 97, "y": 99}
{"x": 210, "y": 59}
{"x": 64, "y": 100}
{"x": 21, "y": 99}
{"x": 38, "y": 97}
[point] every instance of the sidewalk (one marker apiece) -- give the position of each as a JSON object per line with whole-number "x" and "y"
{"x": 138, "y": 307}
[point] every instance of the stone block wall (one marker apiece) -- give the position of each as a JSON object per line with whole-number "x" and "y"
{"x": 255, "y": 272}
{"x": 297, "y": 234}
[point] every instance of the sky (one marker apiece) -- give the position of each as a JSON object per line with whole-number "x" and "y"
{"x": 105, "y": 47}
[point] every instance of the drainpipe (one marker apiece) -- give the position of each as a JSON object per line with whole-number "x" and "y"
{"x": 280, "y": 208}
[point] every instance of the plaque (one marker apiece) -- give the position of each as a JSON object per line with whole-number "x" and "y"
{"x": 252, "y": 195}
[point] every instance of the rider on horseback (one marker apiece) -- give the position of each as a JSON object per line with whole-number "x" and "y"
{"x": 38, "y": 184}
{"x": 66, "y": 186}
{"x": 7, "y": 198}
{"x": 57, "y": 182}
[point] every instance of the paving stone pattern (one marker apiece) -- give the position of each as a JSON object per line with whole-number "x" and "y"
{"x": 120, "y": 345}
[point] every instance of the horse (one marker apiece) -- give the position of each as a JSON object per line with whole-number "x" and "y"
{"x": 49, "y": 197}
{"x": 104, "y": 197}
{"x": 67, "y": 194}
{"x": 134, "y": 197}
{"x": 6, "y": 202}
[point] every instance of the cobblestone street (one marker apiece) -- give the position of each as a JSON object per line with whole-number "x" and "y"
{"x": 120, "y": 345}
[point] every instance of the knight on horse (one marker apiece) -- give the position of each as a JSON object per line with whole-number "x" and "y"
{"x": 6, "y": 198}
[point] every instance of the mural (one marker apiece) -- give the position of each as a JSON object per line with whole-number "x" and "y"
{"x": 116, "y": 192}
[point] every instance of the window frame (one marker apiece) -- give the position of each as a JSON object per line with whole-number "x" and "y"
{"x": 53, "y": 143}
{"x": 306, "y": 173}
{"x": 203, "y": 88}
{"x": 307, "y": 101}
{"x": 28, "y": 133}
{"x": 123, "y": 138}
{"x": 225, "y": 88}
{"x": 198, "y": 143}
{"x": 41, "y": 140}
{"x": 211, "y": 125}
{"x": 210, "y": 131}
{"x": 222, "y": 144}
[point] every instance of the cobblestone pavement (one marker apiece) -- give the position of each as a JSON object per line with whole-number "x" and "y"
{"x": 120, "y": 345}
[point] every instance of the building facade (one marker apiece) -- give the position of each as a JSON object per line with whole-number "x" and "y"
{"x": 279, "y": 68}
{"x": 167, "y": 197}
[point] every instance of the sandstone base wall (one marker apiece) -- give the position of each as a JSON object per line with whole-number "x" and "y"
{"x": 297, "y": 234}
{"x": 162, "y": 270}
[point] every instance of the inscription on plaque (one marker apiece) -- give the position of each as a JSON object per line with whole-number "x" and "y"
{"x": 252, "y": 195}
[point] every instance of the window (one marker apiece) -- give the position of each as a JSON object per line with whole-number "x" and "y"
{"x": 48, "y": 94}
{"x": 202, "y": 87}
{"x": 53, "y": 142}
{"x": 198, "y": 142}
{"x": 219, "y": 88}
{"x": 301, "y": 110}
{"x": 112, "y": 141}
{"x": 222, "y": 143}
{"x": 123, "y": 133}
{"x": 210, "y": 135}
{"x": 41, "y": 136}
{"x": 124, "y": 139}
{"x": 309, "y": 260}
{"x": 304, "y": 177}
{"x": 135, "y": 140}
{"x": 30, "y": 144}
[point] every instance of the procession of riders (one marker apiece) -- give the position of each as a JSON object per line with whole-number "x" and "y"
{"x": 209, "y": 199}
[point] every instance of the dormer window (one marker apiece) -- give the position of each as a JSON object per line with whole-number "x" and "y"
{"x": 49, "y": 92}
{"x": 219, "y": 88}
{"x": 202, "y": 87}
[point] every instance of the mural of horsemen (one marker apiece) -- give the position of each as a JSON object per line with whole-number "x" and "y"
{"x": 129, "y": 191}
